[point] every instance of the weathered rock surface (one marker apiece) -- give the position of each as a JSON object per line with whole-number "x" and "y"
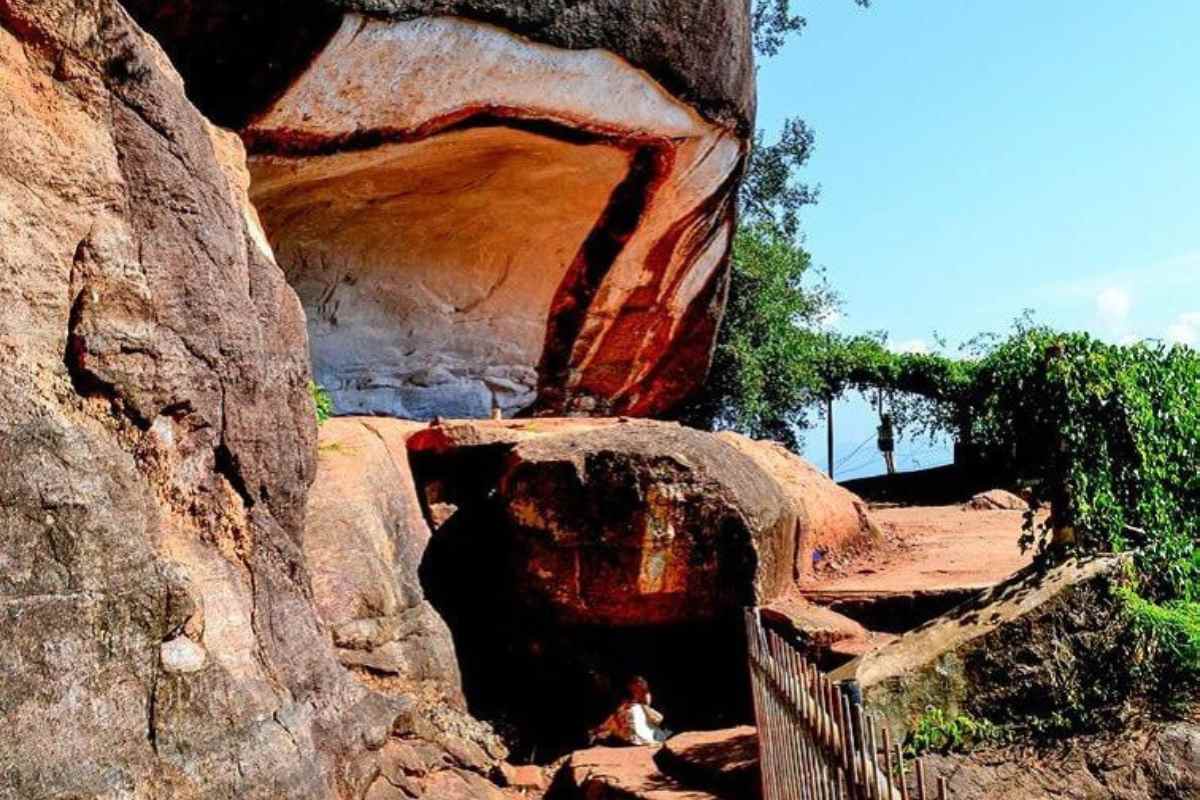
{"x": 723, "y": 761}
{"x": 1156, "y": 762}
{"x": 571, "y": 554}
{"x": 623, "y": 773}
{"x": 1037, "y": 646}
{"x": 637, "y": 523}
{"x": 489, "y": 202}
{"x": 363, "y": 542}
{"x": 828, "y": 638}
{"x": 156, "y": 446}
{"x": 829, "y": 518}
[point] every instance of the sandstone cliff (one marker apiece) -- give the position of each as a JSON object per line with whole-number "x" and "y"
{"x": 484, "y": 202}
{"x": 473, "y": 203}
{"x": 156, "y": 446}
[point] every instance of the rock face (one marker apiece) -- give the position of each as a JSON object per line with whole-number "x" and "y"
{"x": 156, "y": 446}
{"x": 487, "y": 202}
{"x": 364, "y": 540}
{"x": 1156, "y": 762}
{"x": 829, "y": 518}
{"x": 1039, "y": 646}
{"x": 636, "y": 523}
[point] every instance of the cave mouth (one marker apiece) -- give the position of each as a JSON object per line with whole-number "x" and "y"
{"x": 543, "y": 682}
{"x": 428, "y": 269}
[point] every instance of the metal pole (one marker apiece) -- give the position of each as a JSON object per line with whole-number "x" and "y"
{"x": 829, "y": 420}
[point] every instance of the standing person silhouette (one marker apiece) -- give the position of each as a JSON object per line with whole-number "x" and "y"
{"x": 887, "y": 442}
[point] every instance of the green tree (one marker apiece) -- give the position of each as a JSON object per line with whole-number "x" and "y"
{"x": 769, "y": 365}
{"x": 772, "y": 22}
{"x": 766, "y": 373}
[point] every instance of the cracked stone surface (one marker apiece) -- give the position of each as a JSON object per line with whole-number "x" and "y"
{"x": 157, "y": 442}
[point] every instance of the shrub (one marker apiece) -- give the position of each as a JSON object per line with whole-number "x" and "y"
{"x": 322, "y": 402}
{"x": 939, "y": 732}
{"x": 1166, "y": 645}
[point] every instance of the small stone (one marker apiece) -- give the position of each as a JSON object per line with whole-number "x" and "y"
{"x": 182, "y": 655}
{"x": 526, "y": 776}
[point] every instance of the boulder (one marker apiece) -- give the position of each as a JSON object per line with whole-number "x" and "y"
{"x": 830, "y": 518}
{"x": 488, "y": 203}
{"x": 828, "y": 639}
{"x": 571, "y": 554}
{"x": 997, "y": 500}
{"x": 1041, "y": 646}
{"x": 1158, "y": 761}
{"x": 635, "y": 523}
{"x": 624, "y": 773}
{"x": 364, "y": 539}
{"x": 722, "y": 761}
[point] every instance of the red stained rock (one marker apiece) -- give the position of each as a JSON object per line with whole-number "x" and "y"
{"x": 626, "y": 773}
{"x": 483, "y": 202}
{"x": 720, "y": 761}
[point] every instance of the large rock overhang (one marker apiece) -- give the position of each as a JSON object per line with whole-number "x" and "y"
{"x": 472, "y": 218}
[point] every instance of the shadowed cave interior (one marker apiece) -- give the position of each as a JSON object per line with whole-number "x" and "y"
{"x": 542, "y": 683}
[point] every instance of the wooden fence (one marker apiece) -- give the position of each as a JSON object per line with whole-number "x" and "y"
{"x": 815, "y": 742}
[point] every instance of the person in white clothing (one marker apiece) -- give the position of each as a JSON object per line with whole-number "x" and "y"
{"x": 635, "y": 722}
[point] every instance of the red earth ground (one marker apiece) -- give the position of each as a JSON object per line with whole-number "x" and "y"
{"x": 929, "y": 548}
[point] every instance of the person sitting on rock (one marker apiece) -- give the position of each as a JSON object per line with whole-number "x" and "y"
{"x": 634, "y": 722}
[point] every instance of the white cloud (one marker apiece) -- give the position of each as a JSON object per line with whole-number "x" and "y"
{"x": 1113, "y": 305}
{"x": 1182, "y": 271}
{"x": 911, "y": 346}
{"x": 1185, "y": 330}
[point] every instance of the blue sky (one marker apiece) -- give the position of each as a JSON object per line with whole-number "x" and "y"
{"x": 977, "y": 159}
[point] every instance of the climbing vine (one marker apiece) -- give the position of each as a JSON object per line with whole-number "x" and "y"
{"x": 1107, "y": 435}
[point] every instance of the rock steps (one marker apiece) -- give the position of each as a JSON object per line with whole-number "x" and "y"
{"x": 710, "y": 765}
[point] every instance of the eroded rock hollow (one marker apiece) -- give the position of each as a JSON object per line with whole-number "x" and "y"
{"x": 484, "y": 204}
{"x": 568, "y": 555}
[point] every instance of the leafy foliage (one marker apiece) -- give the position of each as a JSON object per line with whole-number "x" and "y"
{"x": 770, "y": 194}
{"x": 1111, "y": 436}
{"x": 1166, "y": 647}
{"x": 1107, "y": 435}
{"x": 322, "y": 402}
{"x": 772, "y": 22}
{"x": 766, "y": 369}
{"x": 937, "y": 731}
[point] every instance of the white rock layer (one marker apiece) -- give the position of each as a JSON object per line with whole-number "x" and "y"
{"x": 430, "y": 246}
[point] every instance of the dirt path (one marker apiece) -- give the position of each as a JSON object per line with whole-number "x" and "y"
{"x": 930, "y": 548}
